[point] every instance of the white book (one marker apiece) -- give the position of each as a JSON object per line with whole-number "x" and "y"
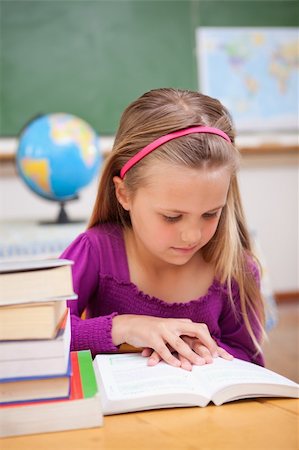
{"x": 127, "y": 383}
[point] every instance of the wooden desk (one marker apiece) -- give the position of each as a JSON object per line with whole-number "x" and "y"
{"x": 252, "y": 424}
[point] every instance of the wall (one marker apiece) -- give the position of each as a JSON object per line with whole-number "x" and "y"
{"x": 269, "y": 187}
{"x": 91, "y": 58}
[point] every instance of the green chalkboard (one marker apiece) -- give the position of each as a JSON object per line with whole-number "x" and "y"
{"x": 91, "y": 58}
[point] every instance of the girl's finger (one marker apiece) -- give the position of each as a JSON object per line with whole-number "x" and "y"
{"x": 162, "y": 352}
{"x": 224, "y": 354}
{"x": 183, "y": 349}
{"x": 147, "y": 352}
{"x": 154, "y": 359}
{"x": 202, "y": 351}
{"x": 185, "y": 363}
{"x": 200, "y": 331}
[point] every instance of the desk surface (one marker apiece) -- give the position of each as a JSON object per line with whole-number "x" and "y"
{"x": 252, "y": 424}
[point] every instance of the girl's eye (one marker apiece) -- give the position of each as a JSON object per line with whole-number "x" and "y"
{"x": 172, "y": 219}
{"x": 211, "y": 215}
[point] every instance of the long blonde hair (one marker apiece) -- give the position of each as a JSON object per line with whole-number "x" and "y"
{"x": 162, "y": 111}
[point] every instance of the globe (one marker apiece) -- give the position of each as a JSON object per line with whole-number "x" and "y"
{"x": 57, "y": 156}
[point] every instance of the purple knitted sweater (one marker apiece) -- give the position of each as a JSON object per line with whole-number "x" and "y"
{"x": 102, "y": 281}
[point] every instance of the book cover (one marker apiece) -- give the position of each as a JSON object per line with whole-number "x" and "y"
{"x": 35, "y": 281}
{"x": 81, "y": 410}
{"x": 32, "y": 264}
{"x": 37, "y": 357}
{"x": 127, "y": 383}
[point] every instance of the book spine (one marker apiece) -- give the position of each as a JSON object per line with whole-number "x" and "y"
{"x": 88, "y": 379}
{"x": 76, "y": 385}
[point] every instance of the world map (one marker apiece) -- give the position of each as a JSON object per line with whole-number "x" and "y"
{"x": 253, "y": 72}
{"x": 39, "y": 172}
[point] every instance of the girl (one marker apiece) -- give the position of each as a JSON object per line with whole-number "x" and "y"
{"x": 166, "y": 262}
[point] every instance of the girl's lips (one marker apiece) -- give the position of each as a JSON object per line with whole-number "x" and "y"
{"x": 185, "y": 249}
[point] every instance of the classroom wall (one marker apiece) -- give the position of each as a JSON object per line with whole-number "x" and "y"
{"x": 91, "y": 58}
{"x": 269, "y": 187}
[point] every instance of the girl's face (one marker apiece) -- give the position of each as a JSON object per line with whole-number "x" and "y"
{"x": 177, "y": 211}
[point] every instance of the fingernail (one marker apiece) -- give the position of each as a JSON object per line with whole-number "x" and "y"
{"x": 152, "y": 361}
{"x": 187, "y": 366}
{"x": 199, "y": 361}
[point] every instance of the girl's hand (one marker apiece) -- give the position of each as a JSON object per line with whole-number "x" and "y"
{"x": 196, "y": 345}
{"x": 161, "y": 335}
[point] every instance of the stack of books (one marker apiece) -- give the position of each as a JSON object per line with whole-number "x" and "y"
{"x": 44, "y": 386}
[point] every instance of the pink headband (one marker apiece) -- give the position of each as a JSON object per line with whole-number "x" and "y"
{"x": 168, "y": 137}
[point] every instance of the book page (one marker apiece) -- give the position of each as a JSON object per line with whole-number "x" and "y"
{"x": 129, "y": 376}
{"x": 240, "y": 375}
{"x": 223, "y": 373}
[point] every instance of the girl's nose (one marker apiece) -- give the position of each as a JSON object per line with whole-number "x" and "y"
{"x": 191, "y": 236}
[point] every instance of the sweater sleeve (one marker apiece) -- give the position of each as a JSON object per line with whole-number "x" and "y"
{"x": 93, "y": 334}
{"x": 235, "y": 337}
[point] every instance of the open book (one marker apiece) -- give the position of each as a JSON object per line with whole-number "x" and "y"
{"x": 127, "y": 384}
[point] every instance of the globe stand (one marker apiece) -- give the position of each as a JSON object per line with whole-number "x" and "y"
{"x": 63, "y": 217}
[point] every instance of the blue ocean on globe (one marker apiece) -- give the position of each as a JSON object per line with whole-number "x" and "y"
{"x": 58, "y": 155}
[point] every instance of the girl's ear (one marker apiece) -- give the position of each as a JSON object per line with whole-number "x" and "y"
{"x": 121, "y": 193}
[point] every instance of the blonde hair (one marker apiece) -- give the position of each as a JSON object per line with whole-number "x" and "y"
{"x": 155, "y": 114}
